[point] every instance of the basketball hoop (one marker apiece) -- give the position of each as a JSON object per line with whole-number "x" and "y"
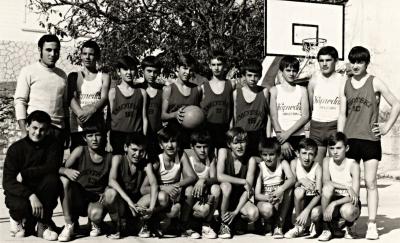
{"x": 311, "y": 47}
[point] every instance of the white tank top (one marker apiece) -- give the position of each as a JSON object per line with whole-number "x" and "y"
{"x": 172, "y": 175}
{"x": 88, "y": 93}
{"x": 326, "y": 99}
{"x": 341, "y": 174}
{"x": 271, "y": 179}
{"x": 289, "y": 108}
{"x": 311, "y": 175}
{"x": 205, "y": 174}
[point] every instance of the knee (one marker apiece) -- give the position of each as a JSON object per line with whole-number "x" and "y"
{"x": 266, "y": 210}
{"x": 163, "y": 198}
{"x": 299, "y": 193}
{"x": 189, "y": 191}
{"x": 51, "y": 181}
{"x": 226, "y": 188}
{"x": 95, "y": 212}
{"x": 349, "y": 212}
{"x": 316, "y": 214}
{"x": 215, "y": 191}
{"x": 110, "y": 196}
{"x": 253, "y": 214}
{"x": 371, "y": 184}
{"x": 327, "y": 191}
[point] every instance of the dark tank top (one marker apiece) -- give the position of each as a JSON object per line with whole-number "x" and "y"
{"x": 251, "y": 116}
{"x": 217, "y": 106}
{"x": 230, "y": 167}
{"x": 154, "y": 111}
{"x": 131, "y": 183}
{"x": 177, "y": 99}
{"x": 93, "y": 176}
{"x": 127, "y": 113}
{"x": 362, "y": 110}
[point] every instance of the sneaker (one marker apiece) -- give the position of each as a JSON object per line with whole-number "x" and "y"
{"x": 350, "y": 232}
{"x": 114, "y": 236}
{"x": 326, "y": 235}
{"x": 336, "y": 231}
{"x": 268, "y": 230}
{"x": 372, "y": 232}
{"x": 17, "y": 228}
{"x": 278, "y": 233}
{"x": 144, "y": 232}
{"x": 46, "y": 232}
{"x": 67, "y": 233}
{"x": 96, "y": 230}
{"x": 208, "y": 232}
{"x": 295, "y": 232}
{"x": 224, "y": 232}
{"x": 191, "y": 233}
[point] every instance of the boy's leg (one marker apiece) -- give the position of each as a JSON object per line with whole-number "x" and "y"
{"x": 299, "y": 195}
{"x": 326, "y": 197}
{"x": 249, "y": 212}
{"x": 226, "y": 189}
{"x": 321, "y": 154}
{"x": 215, "y": 192}
{"x": 20, "y": 211}
{"x": 370, "y": 171}
{"x": 66, "y": 200}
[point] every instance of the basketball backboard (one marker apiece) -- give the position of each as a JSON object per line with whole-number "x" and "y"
{"x": 288, "y": 22}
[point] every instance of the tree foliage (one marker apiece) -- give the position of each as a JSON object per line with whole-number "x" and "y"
{"x": 134, "y": 26}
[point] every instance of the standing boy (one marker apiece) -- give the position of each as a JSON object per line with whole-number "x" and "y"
{"x": 89, "y": 90}
{"x": 358, "y": 119}
{"x": 289, "y": 108}
{"x": 324, "y": 97}
{"x": 217, "y": 100}
{"x": 235, "y": 172}
{"x": 30, "y": 179}
{"x": 250, "y": 110}
{"x": 127, "y": 104}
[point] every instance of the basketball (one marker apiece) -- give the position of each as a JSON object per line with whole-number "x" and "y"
{"x": 193, "y": 116}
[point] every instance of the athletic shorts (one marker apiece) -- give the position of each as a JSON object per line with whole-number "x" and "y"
{"x": 236, "y": 194}
{"x": 218, "y": 134}
{"x": 336, "y": 211}
{"x": 320, "y": 131}
{"x": 361, "y": 149}
{"x": 253, "y": 138}
{"x": 80, "y": 199}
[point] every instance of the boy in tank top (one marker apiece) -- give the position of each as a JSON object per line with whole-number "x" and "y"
{"x": 180, "y": 94}
{"x": 324, "y": 97}
{"x": 85, "y": 178}
{"x": 341, "y": 188}
{"x": 250, "y": 110}
{"x": 175, "y": 177}
{"x": 88, "y": 90}
{"x": 308, "y": 188}
{"x": 127, "y": 175}
{"x": 273, "y": 191}
{"x": 128, "y": 105}
{"x": 358, "y": 119}
{"x": 289, "y": 108}
{"x": 206, "y": 191}
{"x": 217, "y": 100}
{"x": 235, "y": 172}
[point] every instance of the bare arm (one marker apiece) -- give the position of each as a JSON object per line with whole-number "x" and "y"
{"x": 153, "y": 185}
{"x": 111, "y": 98}
{"x": 290, "y": 179}
{"x": 222, "y": 177}
{"x": 310, "y": 90}
{"x": 213, "y": 173}
{"x": 316, "y": 198}
{"x": 273, "y": 110}
{"x": 165, "y": 116}
{"x": 144, "y": 111}
{"x": 21, "y": 99}
{"x": 189, "y": 176}
{"x": 342, "y": 110}
{"x": 233, "y": 121}
{"x": 258, "y": 195}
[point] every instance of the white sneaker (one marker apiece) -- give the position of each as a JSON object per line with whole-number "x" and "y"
{"x": 67, "y": 233}
{"x": 326, "y": 235}
{"x": 277, "y": 233}
{"x": 96, "y": 231}
{"x": 17, "y": 228}
{"x": 208, "y": 232}
{"x": 50, "y": 235}
{"x": 192, "y": 234}
{"x": 144, "y": 232}
{"x": 372, "y": 232}
{"x": 295, "y": 232}
{"x": 350, "y": 232}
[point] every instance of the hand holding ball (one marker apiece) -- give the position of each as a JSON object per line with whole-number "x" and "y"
{"x": 193, "y": 116}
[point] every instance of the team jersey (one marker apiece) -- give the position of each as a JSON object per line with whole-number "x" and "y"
{"x": 131, "y": 176}
{"x": 311, "y": 175}
{"x": 341, "y": 174}
{"x": 271, "y": 180}
{"x": 172, "y": 175}
{"x": 217, "y": 106}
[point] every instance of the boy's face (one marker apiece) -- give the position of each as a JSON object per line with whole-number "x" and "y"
{"x": 170, "y": 147}
{"x": 50, "y": 53}
{"x": 289, "y": 74}
{"x": 307, "y": 157}
{"x": 327, "y": 64}
{"x": 93, "y": 140}
{"x": 251, "y": 78}
{"x": 238, "y": 147}
{"x": 184, "y": 73}
{"x": 126, "y": 74}
{"x": 338, "y": 151}
{"x": 359, "y": 68}
{"x": 269, "y": 156}
{"x": 150, "y": 74}
{"x": 88, "y": 57}
{"x": 134, "y": 152}
{"x": 201, "y": 150}
{"x": 37, "y": 131}
{"x": 216, "y": 67}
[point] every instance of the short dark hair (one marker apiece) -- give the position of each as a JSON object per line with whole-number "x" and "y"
{"x": 136, "y": 138}
{"x": 289, "y": 61}
{"x": 270, "y": 143}
{"x": 251, "y": 65}
{"x": 218, "y": 55}
{"x": 168, "y": 133}
{"x": 200, "y": 136}
{"x": 93, "y": 45}
{"x": 328, "y": 50}
{"x": 48, "y": 38}
{"x": 39, "y": 116}
{"x": 151, "y": 61}
{"x": 235, "y": 132}
{"x": 186, "y": 60}
{"x": 126, "y": 62}
{"x": 359, "y": 54}
{"x": 308, "y": 143}
{"x": 338, "y": 137}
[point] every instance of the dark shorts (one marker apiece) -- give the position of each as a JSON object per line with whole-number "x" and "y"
{"x": 320, "y": 131}
{"x": 117, "y": 141}
{"x": 253, "y": 138}
{"x": 237, "y": 191}
{"x": 80, "y": 199}
{"x": 361, "y": 149}
{"x": 336, "y": 211}
{"x": 218, "y": 134}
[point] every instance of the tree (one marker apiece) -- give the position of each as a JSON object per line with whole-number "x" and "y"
{"x": 134, "y": 26}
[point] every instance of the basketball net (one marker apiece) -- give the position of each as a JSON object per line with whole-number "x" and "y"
{"x": 311, "y": 47}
